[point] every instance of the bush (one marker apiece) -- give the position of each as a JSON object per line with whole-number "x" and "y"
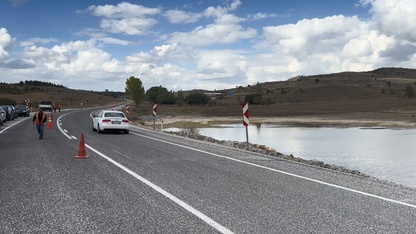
{"x": 197, "y": 99}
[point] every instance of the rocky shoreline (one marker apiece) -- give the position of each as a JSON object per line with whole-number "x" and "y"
{"x": 189, "y": 126}
{"x": 262, "y": 149}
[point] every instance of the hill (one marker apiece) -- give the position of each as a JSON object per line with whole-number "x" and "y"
{"x": 68, "y": 98}
{"x": 374, "y": 95}
{"x": 381, "y": 94}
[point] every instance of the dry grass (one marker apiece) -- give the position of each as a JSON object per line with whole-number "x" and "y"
{"x": 359, "y": 96}
{"x": 379, "y": 95}
{"x": 68, "y": 98}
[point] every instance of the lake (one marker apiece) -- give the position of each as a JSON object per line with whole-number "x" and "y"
{"x": 388, "y": 154}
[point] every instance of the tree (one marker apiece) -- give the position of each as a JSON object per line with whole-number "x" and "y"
{"x": 254, "y": 98}
{"x": 159, "y": 94}
{"x": 135, "y": 90}
{"x": 197, "y": 99}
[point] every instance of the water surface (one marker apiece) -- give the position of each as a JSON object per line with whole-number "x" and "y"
{"x": 388, "y": 154}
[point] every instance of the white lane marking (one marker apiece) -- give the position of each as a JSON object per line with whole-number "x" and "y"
{"x": 283, "y": 172}
{"x": 122, "y": 154}
{"x": 59, "y": 127}
{"x": 8, "y": 127}
{"x": 73, "y": 137}
{"x": 15, "y": 122}
{"x": 187, "y": 207}
{"x": 65, "y": 130}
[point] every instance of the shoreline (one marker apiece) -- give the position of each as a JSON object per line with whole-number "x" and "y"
{"x": 190, "y": 123}
{"x": 312, "y": 121}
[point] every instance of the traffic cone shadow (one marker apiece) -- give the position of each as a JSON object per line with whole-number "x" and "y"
{"x": 50, "y": 123}
{"x": 81, "y": 151}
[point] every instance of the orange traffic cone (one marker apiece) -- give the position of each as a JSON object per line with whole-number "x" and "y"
{"x": 50, "y": 123}
{"x": 81, "y": 152}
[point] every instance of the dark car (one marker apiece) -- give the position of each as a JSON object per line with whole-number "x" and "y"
{"x": 15, "y": 112}
{"x": 22, "y": 110}
{"x": 9, "y": 112}
{"x": 2, "y": 116}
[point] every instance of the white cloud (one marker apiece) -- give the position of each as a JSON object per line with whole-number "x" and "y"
{"x": 131, "y": 26}
{"x": 332, "y": 44}
{"x": 114, "y": 41}
{"x": 125, "y": 18}
{"x": 6, "y": 43}
{"x": 223, "y": 53}
{"x": 177, "y": 16}
{"x": 158, "y": 54}
{"x": 38, "y": 40}
{"x": 123, "y": 10}
{"x": 225, "y": 30}
{"x": 260, "y": 15}
{"x": 394, "y": 17}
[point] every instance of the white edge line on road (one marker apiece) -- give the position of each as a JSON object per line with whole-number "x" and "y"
{"x": 283, "y": 172}
{"x": 122, "y": 154}
{"x": 10, "y": 126}
{"x": 187, "y": 207}
{"x": 60, "y": 129}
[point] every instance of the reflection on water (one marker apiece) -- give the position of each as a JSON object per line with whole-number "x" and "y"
{"x": 387, "y": 154}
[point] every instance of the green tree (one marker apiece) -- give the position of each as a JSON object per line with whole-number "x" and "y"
{"x": 197, "y": 99}
{"x": 159, "y": 94}
{"x": 166, "y": 98}
{"x": 180, "y": 99}
{"x": 135, "y": 90}
{"x": 254, "y": 98}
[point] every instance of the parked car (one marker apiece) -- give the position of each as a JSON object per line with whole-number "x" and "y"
{"x": 15, "y": 111}
{"x": 2, "y": 116}
{"x": 22, "y": 110}
{"x": 9, "y": 112}
{"x": 110, "y": 120}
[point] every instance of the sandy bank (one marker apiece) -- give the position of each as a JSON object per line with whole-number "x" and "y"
{"x": 339, "y": 121}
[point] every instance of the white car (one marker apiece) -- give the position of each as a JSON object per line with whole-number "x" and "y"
{"x": 110, "y": 120}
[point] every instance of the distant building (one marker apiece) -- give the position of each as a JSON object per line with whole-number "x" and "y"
{"x": 213, "y": 95}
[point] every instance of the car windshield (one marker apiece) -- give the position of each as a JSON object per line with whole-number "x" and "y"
{"x": 114, "y": 114}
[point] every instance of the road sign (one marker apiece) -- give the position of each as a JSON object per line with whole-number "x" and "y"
{"x": 246, "y": 120}
{"x": 154, "y": 109}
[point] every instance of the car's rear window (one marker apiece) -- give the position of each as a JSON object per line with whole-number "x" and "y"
{"x": 114, "y": 115}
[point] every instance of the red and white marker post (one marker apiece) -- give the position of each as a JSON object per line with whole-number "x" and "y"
{"x": 154, "y": 115}
{"x": 246, "y": 120}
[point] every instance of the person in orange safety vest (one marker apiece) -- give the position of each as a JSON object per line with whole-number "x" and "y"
{"x": 40, "y": 119}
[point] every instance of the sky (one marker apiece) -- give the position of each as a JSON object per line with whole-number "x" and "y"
{"x": 197, "y": 44}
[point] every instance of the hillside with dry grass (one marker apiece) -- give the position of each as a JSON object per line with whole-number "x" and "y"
{"x": 375, "y": 95}
{"x": 382, "y": 94}
{"x": 68, "y": 98}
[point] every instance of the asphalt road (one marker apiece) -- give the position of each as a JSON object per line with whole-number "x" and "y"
{"x": 152, "y": 182}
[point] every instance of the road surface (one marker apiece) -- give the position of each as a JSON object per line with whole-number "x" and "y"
{"x": 152, "y": 182}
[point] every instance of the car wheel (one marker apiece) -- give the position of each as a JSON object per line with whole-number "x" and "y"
{"x": 126, "y": 131}
{"x": 98, "y": 129}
